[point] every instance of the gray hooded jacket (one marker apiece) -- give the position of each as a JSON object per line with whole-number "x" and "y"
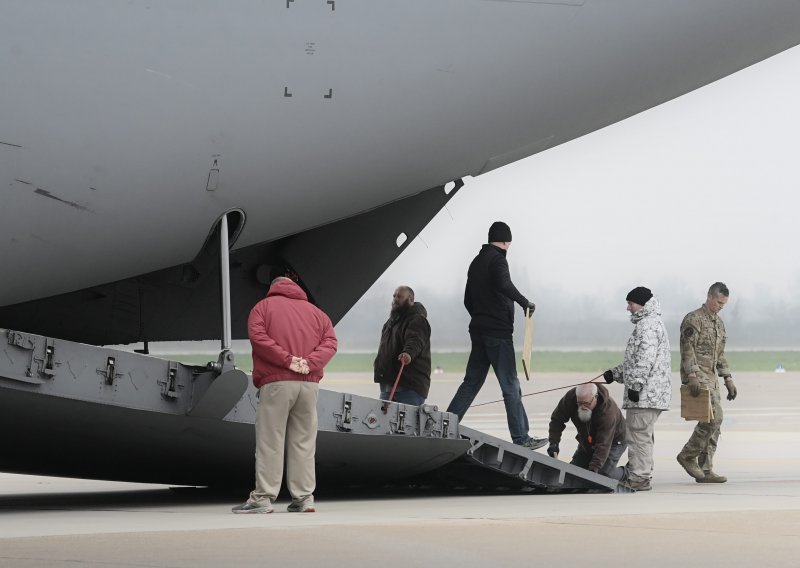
{"x": 647, "y": 367}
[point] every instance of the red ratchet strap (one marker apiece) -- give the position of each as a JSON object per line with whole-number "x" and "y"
{"x": 394, "y": 388}
{"x": 397, "y": 380}
{"x": 540, "y": 392}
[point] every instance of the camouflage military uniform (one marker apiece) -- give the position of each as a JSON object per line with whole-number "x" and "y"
{"x": 703, "y": 353}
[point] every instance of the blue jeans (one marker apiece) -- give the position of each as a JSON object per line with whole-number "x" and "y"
{"x": 499, "y": 353}
{"x": 405, "y": 396}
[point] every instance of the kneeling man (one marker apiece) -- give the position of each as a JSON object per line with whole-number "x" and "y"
{"x": 600, "y": 426}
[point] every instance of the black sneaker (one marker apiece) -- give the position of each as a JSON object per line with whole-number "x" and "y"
{"x": 533, "y": 443}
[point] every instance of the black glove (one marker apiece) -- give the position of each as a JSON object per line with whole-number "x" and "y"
{"x": 531, "y": 307}
{"x": 633, "y": 395}
{"x": 731, "y": 388}
{"x": 552, "y": 450}
{"x": 609, "y": 376}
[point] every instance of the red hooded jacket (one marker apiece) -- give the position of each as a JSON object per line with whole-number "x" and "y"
{"x": 286, "y": 324}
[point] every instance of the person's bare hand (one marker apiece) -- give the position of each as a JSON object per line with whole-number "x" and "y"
{"x": 299, "y": 365}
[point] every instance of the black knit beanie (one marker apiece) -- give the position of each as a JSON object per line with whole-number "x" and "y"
{"x": 499, "y": 232}
{"x": 639, "y": 295}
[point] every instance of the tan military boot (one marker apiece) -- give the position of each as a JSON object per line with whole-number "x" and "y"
{"x": 691, "y": 467}
{"x": 711, "y": 477}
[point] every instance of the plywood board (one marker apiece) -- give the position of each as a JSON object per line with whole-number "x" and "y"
{"x": 527, "y": 345}
{"x": 696, "y": 407}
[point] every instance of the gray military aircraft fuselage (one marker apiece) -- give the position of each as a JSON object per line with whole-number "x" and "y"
{"x": 326, "y": 134}
{"x": 129, "y": 128}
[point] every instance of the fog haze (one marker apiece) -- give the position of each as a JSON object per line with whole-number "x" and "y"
{"x": 700, "y": 189}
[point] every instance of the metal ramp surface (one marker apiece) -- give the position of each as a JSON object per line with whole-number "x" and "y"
{"x": 521, "y": 467}
{"x": 76, "y": 410}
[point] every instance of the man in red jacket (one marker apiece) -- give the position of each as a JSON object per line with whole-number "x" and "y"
{"x": 292, "y": 341}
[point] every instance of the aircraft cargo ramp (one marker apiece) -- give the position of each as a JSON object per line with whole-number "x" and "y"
{"x": 74, "y": 410}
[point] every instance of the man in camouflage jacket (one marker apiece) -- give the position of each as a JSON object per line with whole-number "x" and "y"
{"x": 646, "y": 373}
{"x": 703, "y": 340}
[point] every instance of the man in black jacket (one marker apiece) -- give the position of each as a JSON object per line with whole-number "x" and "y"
{"x": 406, "y": 337}
{"x": 489, "y": 298}
{"x": 600, "y": 426}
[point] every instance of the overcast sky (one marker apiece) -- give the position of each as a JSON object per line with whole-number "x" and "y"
{"x": 702, "y": 188}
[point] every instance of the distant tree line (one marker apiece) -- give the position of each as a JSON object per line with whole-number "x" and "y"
{"x": 583, "y": 321}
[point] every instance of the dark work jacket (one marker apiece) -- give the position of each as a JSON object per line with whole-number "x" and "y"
{"x": 490, "y": 295}
{"x": 407, "y": 332}
{"x": 597, "y": 436}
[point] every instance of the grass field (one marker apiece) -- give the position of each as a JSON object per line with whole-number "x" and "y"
{"x": 542, "y": 361}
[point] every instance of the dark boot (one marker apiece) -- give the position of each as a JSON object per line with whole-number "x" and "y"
{"x": 711, "y": 477}
{"x": 689, "y": 463}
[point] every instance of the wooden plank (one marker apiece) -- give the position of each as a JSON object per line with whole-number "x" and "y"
{"x": 527, "y": 345}
{"x": 696, "y": 407}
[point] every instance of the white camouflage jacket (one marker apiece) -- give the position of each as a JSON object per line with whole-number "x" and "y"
{"x": 647, "y": 367}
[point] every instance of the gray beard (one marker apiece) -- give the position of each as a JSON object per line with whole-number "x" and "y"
{"x": 584, "y": 414}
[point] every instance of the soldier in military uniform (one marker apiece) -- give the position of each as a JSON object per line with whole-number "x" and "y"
{"x": 702, "y": 359}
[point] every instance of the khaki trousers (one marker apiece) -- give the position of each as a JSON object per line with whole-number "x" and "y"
{"x": 286, "y": 420}
{"x": 640, "y": 425}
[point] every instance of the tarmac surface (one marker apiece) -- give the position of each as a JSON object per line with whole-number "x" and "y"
{"x": 754, "y": 519}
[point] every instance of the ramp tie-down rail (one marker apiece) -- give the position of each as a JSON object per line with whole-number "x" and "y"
{"x": 107, "y": 414}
